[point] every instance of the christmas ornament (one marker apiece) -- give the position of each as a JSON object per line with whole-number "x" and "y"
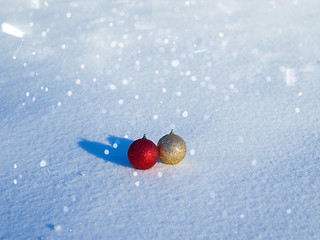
{"x": 172, "y": 148}
{"x": 143, "y": 153}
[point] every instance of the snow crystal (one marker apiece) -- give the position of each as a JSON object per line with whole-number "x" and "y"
{"x": 68, "y": 14}
{"x": 290, "y": 77}
{"x": 69, "y": 93}
{"x": 224, "y": 213}
{"x": 15, "y": 165}
{"x": 59, "y": 104}
{"x": 221, "y": 35}
{"x": 137, "y": 184}
{"x": 289, "y": 211}
{"x": 300, "y": 94}
{"x": 192, "y": 152}
{"x": 125, "y": 82}
{"x": 155, "y": 117}
{"x": 193, "y": 78}
{"x": 212, "y": 87}
{"x": 135, "y": 173}
{"x": 185, "y": 114}
{"x": 136, "y": 97}
{"x": 234, "y": 54}
{"x": 46, "y": 89}
{"x": 115, "y": 145}
{"x": 121, "y": 101}
{"x": 82, "y": 66}
{"x": 78, "y": 81}
{"x": 15, "y": 181}
{"x": 268, "y": 79}
{"x": 254, "y": 162}
{"x": 57, "y": 228}
{"x": 65, "y": 209}
{"x": 178, "y": 93}
{"x": 94, "y": 79}
{"x": 164, "y": 90}
{"x": 43, "y": 163}
{"x": 113, "y": 44}
{"x": 254, "y": 51}
{"x": 159, "y": 174}
{"x": 175, "y": 63}
{"x": 63, "y": 46}
{"x": 33, "y": 99}
{"x": 106, "y": 152}
{"x": 113, "y": 87}
{"x": 297, "y": 110}
{"x": 242, "y": 216}
{"x": 27, "y": 94}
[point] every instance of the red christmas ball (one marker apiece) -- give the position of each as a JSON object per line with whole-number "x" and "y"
{"x": 143, "y": 153}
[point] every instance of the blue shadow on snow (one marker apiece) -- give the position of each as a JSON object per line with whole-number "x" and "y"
{"x": 118, "y": 155}
{"x": 50, "y": 225}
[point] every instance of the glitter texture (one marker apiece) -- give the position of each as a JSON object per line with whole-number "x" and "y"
{"x": 172, "y": 148}
{"x": 143, "y": 154}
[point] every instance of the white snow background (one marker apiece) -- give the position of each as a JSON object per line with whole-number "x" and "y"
{"x": 238, "y": 80}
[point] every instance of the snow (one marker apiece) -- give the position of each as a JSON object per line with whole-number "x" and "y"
{"x": 43, "y": 163}
{"x": 81, "y": 80}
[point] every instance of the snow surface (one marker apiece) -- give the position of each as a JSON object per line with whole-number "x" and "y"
{"x": 238, "y": 80}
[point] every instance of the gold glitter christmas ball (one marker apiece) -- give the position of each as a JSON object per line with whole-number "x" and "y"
{"x": 172, "y": 148}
